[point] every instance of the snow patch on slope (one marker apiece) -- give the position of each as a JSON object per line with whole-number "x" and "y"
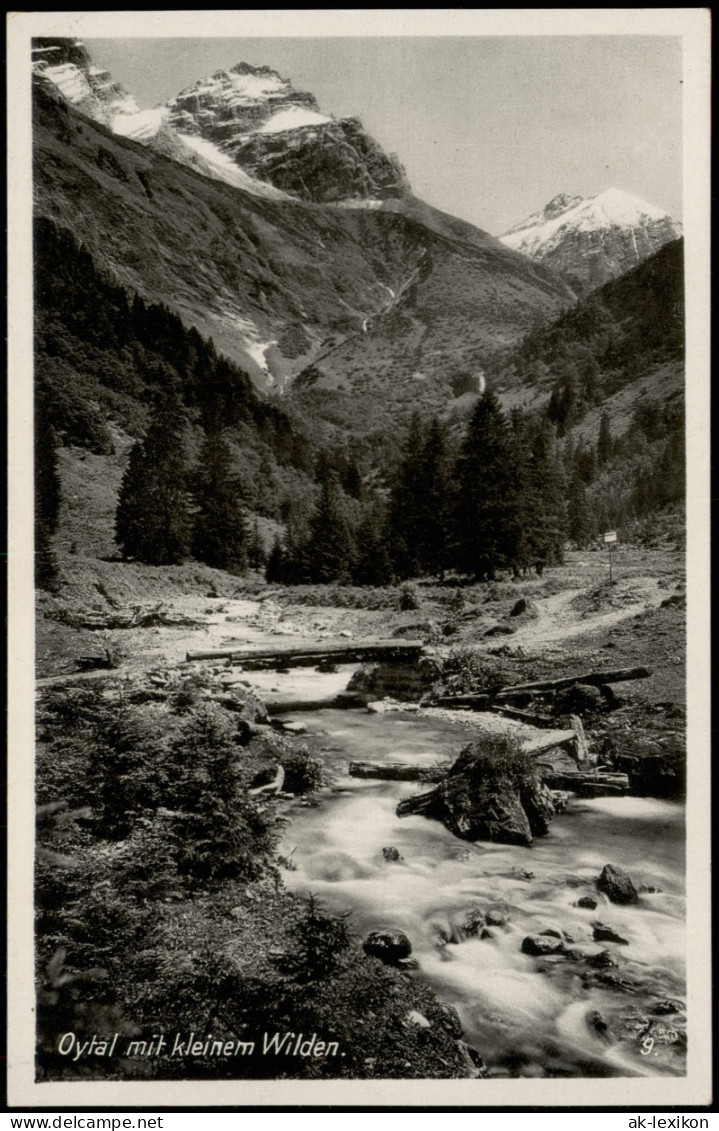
{"x": 223, "y": 168}
{"x": 139, "y": 125}
{"x": 293, "y": 118}
{"x": 253, "y": 86}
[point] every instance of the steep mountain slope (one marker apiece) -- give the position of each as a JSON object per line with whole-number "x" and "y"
{"x": 624, "y": 341}
{"x": 426, "y": 350}
{"x": 279, "y": 282}
{"x": 593, "y": 240}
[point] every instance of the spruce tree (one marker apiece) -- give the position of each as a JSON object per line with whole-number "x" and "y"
{"x": 330, "y": 550}
{"x": 152, "y": 521}
{"x": 578, "y": 521}
{"x": 372, "y": 564}
{"x": 432, "y": 504}
{"x": 546, "y": 521}
{"x": 486, "y": 504}
{"x": 405, "y": 505}
{"x": 219, "y": 538}
{"x": 276, "y": 569}
{"x": 256, "y": 554}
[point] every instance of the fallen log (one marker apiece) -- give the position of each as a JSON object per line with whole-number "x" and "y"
{"x": 138, "y": 617}
{"x": 476, "y": 702}
{"x": 595, "y": 679}
{"x": 589, "y": 784}
{"x": 94, "y": 663}
{"x": 397, "y": 771}
{"x": 341, "y": 653}
{"x": 289, "y": 706}
{"x": 422, "y": 804}
{"x": 527, "y": 717}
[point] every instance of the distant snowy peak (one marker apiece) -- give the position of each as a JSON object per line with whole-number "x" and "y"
{"x": 593, "y": 239}
{"x": 542, "y": 231}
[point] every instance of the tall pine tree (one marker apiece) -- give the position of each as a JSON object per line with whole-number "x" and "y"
{"x": 152, "y": 521}
{"x": 486, "y": 504}
{"x": 405, "y": 504}
{"x": 219, "y": 537}
{"x": 372, "y": 564}
{"x": 433, "y": 503}
{"x": 545, "y": 491}
{"x": 330, "y": 550}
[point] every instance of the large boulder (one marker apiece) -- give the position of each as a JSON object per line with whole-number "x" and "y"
{"x": 407, "y": 682}
{"x": 389, "y": 946}
{"x": 484, "y": 810}
{"x": 617, "y": 885}
{"x": 491, "y": 792}
{"x": 654, "y": 769}
{"x": 541, "y": 945}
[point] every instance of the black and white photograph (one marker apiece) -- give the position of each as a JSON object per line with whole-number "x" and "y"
{"x": 359, "y": 511}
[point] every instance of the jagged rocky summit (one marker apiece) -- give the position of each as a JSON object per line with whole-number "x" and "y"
{"x": 247, "y": 126}
{"x": 594, "y": 239}
{"x": 279, "y": 135}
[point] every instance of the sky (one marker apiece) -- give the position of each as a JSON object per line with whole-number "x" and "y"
{"x": 489, "y": 128}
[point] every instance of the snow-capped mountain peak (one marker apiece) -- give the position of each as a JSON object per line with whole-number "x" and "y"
{"x": 279, "y": 136}
{"x": 243, "y": 101}
{"x": 596, "y": 238}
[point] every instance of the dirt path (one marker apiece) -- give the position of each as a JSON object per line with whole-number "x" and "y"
{"x": 559, "y": 617}
{"x": 585, "y": 607}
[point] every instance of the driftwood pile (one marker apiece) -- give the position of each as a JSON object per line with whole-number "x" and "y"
{"x": 514, "y": 697}
{"x": 475, "y": 803}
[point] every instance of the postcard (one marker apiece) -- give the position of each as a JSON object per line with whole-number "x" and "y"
{"x": 359, "y": 496}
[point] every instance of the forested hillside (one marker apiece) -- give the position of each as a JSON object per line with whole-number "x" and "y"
{"x": 107, "y": 365}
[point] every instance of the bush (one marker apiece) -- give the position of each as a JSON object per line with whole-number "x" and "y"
{"x": 221, "y": 831}
{"x": 320, "y": 943}
{"x": 495, "y": 757}
{"x": 408, "y": 598}
{"x": 303, "y": 773}
{"x": 465, "y": 671}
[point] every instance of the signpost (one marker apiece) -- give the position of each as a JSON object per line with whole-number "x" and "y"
{"x": 610, "y": 539}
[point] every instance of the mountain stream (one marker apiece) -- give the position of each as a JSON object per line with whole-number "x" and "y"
{"x": 557, "y": 1015}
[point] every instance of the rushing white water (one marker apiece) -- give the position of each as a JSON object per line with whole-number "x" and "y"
{"x": 527, "y": 1016}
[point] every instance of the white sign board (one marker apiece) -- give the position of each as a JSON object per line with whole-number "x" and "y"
{"x": 610, "y": 536}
